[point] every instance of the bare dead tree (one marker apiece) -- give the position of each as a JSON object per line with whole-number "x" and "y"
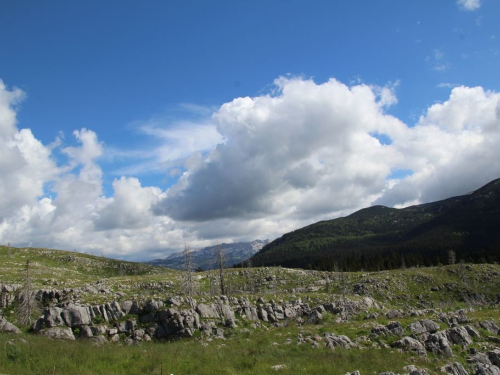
{"x": 328, "y": 283}
{"x": 188, "y": 282}
{"x": 220, "y": 264}
{"x": 214, "y": 284}
{"x": 2, "y": 295}
{"x": 335, "y": 270}
{"x": 27, "y": 304}
{"x": 343, "y": 290}
{"x": 462, "y": 277}
{"x": 452, "y": 257}
{"x": 250, "y": 279}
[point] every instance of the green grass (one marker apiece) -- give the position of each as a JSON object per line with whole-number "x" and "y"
{"x": 236, "y": 355}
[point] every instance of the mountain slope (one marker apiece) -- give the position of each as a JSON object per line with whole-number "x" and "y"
{"x": 380, "y": 237}
{"x": 205, "y": 258}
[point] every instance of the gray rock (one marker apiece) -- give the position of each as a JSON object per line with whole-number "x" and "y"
{"x": 314, "y": 317}
{"x": 251, "y": 313}
{"x": 160, "y": 332}
{"x": 208, "y": 327}
{"x": 414, "y": 370}
{"x": 152, "y": 306}
{"x": 391, "y": 329}
{"x": 424, "y": 326}
{"x": 472, "y": 332}
{"x": 130, "y": 307}
{"x": 454, "y": 369}
{"x": 172, "y": 321}
{"x": 99, "y": 330}
{"x": 52, "y": 317}
{"x": 99, "y": 340}
{"x": 191, "y": 319}
{"x": 391, "y": 314}
{"x": 411, "y": 344}
{"x": 139, "y": 333}
{"x": 207, "y": 311}
{"x": 262, "y": 314}
{"x": 218, "y": 333}
{"x": 459, "y": 335}
{"x": 482, "y": 369}
{"x": 494, "y": 356}
{"x": 290, "y": 313}
{"x": 379, "y": 331}
{"x": 481, "y": 358}
{"x": 58, "y": 333}
{"x": 489, "y": 325}
{"x": 75, "y": 316}
{"x": 115, "y": 338}
{"x": 333, "y": 341}
{"x": 175, "y": 301}
{"x": 438, "y": 343}
{"x": 114, "y": 310}
{"x": 7, "y": 327}
{"x": 279, "y": 313}
{"x": 130, "y": 324}
{"x": 113, "y": 331}
{"x": 86, "y": 332}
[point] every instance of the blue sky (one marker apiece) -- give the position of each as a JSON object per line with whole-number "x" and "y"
{"x": 145, "y": 78}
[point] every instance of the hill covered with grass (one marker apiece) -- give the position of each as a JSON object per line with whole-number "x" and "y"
{"x": 412, "y": 321}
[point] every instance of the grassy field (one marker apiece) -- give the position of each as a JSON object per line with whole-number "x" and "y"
{"x": 254, "y": 353}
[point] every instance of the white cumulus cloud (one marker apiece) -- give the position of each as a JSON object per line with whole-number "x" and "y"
{"x": 469, "y": 5}
{"x": 259, "y": 167}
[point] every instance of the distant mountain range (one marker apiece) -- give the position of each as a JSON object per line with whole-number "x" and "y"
{"x": 379, "y": 237}
{"x": 206, "y": 259}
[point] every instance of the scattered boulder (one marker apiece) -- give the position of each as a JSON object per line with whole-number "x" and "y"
{"x": 459, "y": 335}
{"x": 58, "y": 333}
{"x": 99, "y": 340}
{"x": 278, "y": 367}
{"x": 438, "y": 343}
{"x": 75, "y": 316}
{"x": 333, "y": 341}
{"x": 482, "y": 369}
{"x": 411, "y": 344}
{"x": 454, "y": 369}
{"x": 489, "y": 325}
{"x": 152, "y": 306}
{"x": 391, "y": 329}
{"x": 494, "y": 356}
{"x": 314, "y": 317}
{"x": 395, "y": 328}
{"x": 86, "y": 332}
{"x": 7, "y": 327}
{"x": 414, "y": 370}
{"x": 392, "y": 314}
{"x": 207, "y": 311}
{"x": 424, "y": 326}
{"x": 481, "y": 358}
{"x": 52, "y": 318}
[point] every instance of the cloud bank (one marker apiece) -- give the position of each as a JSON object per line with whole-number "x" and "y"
{"x": 256, "y": 168}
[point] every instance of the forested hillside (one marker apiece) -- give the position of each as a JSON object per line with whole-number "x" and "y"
{"x": 379, "y": 237}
